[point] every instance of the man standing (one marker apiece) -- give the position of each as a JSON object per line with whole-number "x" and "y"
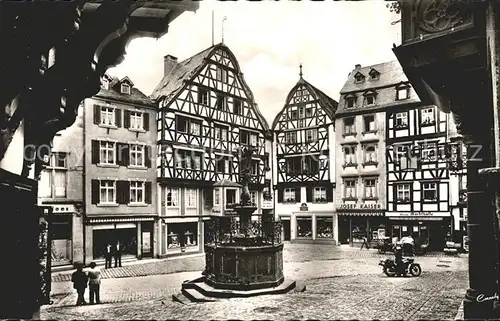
{"x": 108, "y": 255}
{"x": 365, "y": 243}
{"x": 94, "y": 283}
{"x": 118, "y": 255}
{"x": 79, "y": 279}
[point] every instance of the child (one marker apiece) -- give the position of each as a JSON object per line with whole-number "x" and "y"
{"x": 79, "y": 279}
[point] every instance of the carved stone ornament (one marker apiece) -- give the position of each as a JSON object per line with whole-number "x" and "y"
{"x": 440, "y": 15}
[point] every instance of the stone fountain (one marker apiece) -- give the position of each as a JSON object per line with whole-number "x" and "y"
{"x": 243, "y": 257}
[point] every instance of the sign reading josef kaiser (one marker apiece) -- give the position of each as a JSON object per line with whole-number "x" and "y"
{"x": 304, "y": 207}
{"x": 360, "y": 206}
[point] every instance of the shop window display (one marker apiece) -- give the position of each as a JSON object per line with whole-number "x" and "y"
{"x": 304, "y": 227}
{"x": 182, "y": 235}
{"x": 61, "y": 251}
{"x": 126, "y": 236}
{"x": 324, "y": 227}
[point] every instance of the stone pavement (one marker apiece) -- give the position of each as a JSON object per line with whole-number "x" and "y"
{"x": 343, "y": 286}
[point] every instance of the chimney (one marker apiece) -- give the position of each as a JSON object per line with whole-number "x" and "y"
{"x": 169, "y": 63}
{"x": 357, "y": 66}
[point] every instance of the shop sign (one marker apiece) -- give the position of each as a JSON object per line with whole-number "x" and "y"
{"x": 417, "y": 214}
{"x": 230, "y": 212}
{"x": 267, "y": 204}
{"x": 360, "y": 206}
{"x": 304, "y": 207}
{"x": 216, "y": 210}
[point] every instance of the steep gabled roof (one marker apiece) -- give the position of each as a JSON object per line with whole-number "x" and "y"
{"x": 174, "y": 82}
{"x": 328, "y": 104}
{"x": 135, "y": 97}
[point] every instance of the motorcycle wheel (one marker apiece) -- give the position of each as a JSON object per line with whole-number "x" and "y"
{"x": 415, "y": 270}
{"x": 381, "y": 251}
{"x": 389, "y": 273}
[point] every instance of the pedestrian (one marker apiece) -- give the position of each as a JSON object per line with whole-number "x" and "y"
{"x": 118, "y": 254}
{"x": 94, "y": 283}
{"x": 108, "y": 256}
{"x": 365, "y": 243}
{"x": 80, "y": 279}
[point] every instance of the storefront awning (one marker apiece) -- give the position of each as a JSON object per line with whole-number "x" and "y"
{"x": 360, "y": 213}
{"x": 120, "y": 219}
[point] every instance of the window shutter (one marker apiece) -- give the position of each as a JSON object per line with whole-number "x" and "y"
{"x": 122, "y": 192}
{"x": 95, "y": 152}
{"x": 126, "y": 119}
{"x": 297, "y": 194}
{"x": 97, "y": 114}
{"x": 95, "y": 191}
{"x": 148, "y": 193}
{"x": 118, "y": 117}
{"x": 147, "y": 156}
{"x": 122, "y": 153}
{"x": 145, "y": 118}
{"x": 329, "y": 194}
{"x": 309, "y": 191}
{"x": 280, "y": 195}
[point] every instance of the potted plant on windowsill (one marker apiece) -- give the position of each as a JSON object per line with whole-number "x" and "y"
{"x": 401, "y": 126}
{"x": 370, "y": 163}
{"x": 428, "y": 122}
{"x": 320, "y": 200}
{"x": 350, "y": 198}
{"x": 350, "y": 164}
{"x": 404, "y": 200}
{"x": 290, "y": 200}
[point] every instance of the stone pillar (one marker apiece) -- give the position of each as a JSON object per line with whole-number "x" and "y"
{"x": 480, "y": 227}
{"x": 139, "y": 240}
{"x": 89, "y": 255}
{"x": 77, "y": 239}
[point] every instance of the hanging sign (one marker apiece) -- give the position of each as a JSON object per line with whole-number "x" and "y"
{"x": 304, "y": 207}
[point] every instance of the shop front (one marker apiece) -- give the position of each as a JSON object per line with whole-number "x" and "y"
{"x": 181, "y": 235}
{"x": 135, "y": 237}
{"x": 433, "y": 228}
{"x": 354, "y": 225}
{"x": 314, "y": 227}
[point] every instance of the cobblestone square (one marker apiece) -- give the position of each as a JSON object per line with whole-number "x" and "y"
{"x": 341, "y": 283}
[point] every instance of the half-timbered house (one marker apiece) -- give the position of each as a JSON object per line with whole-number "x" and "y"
{"x": 206, "y": 114}
{"x": 303, "y": 164}
{"x": 360, "y": 166}
{"x": 418, "y": 175}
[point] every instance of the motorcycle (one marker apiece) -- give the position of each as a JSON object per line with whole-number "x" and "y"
{"x": 390, "y": 269}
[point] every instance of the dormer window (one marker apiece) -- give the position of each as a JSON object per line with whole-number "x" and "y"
{"x": 125, "y": 89}
{"x": 402, "y": 92}
{"x": 359, "y": 78}
{"x": 370, "y": 98}
{"x": 350, "y": 102}
{"x": 105, "y": 84}
{"x": 374, "y": 75}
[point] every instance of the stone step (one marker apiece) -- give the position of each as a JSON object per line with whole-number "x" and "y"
{"x": 194, "y": 296}
{"x": 211, "y": 292}
{"x": 180, "y": 298}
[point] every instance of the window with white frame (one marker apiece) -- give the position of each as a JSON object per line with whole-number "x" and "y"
{"x": 429, "y": 191}
{"x": 349, "y": 126}
{"x": 195, "y": 128}
{"x": 221, "y": 102}
{"x": 125, "y": 89}
{"x": 137, "y": 155}
{"x": 108, "y": 116}
{"x": 403, "y": 192}
{"x": 370, "y": 99}
{"x": 369, "y": 123}
{"x": 370, "y": 188}
{"x": 137, "y": 192}
{"x": 311, "y": 135}
{"x": 429, "y": 152}
{"x": 203, "y": 96}
{"x": 402, "y": 119}
{"x": 319, "y": 194}
{"x": 191, "y": 197}
{"x": 253, "y": 139}
{"x": 427, "y": 116}
{"x": 216, "y": 197}
{"x": 400, "y": 151}
{"x": 107, "y": 153}
{"x": 402, "y": 93}
{"x": 221, "y": 74}
{"x": 289, "y": 195}
{"x": 107, "y": 192}
{"x": 196, "y": 161}
{"x": 370, "y": 154}
{"x": 350, "y": 102}
{"x": 350, "y": 188}
{"x": 136, "y": 120}
{"x": 172, "y": 197}
{"x": 290, "y": 137}
{"x": 349, "y": 154}
{"x": 253, "y": 197}
{"x": 302, "y": 112}
{"x": 220, "y": 133}
{"x": 53, "y": 179}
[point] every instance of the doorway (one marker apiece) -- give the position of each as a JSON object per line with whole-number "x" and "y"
{"x": 286, "y": 230}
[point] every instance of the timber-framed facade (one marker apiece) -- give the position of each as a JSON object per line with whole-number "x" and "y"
{"x": 303, "y": 166}
{"x": 206, "y": 114}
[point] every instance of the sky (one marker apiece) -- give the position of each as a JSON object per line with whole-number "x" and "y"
{"x": 270, "y": 39}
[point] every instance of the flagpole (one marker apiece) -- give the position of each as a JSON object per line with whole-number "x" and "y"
{"x": 212, "y": 27}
